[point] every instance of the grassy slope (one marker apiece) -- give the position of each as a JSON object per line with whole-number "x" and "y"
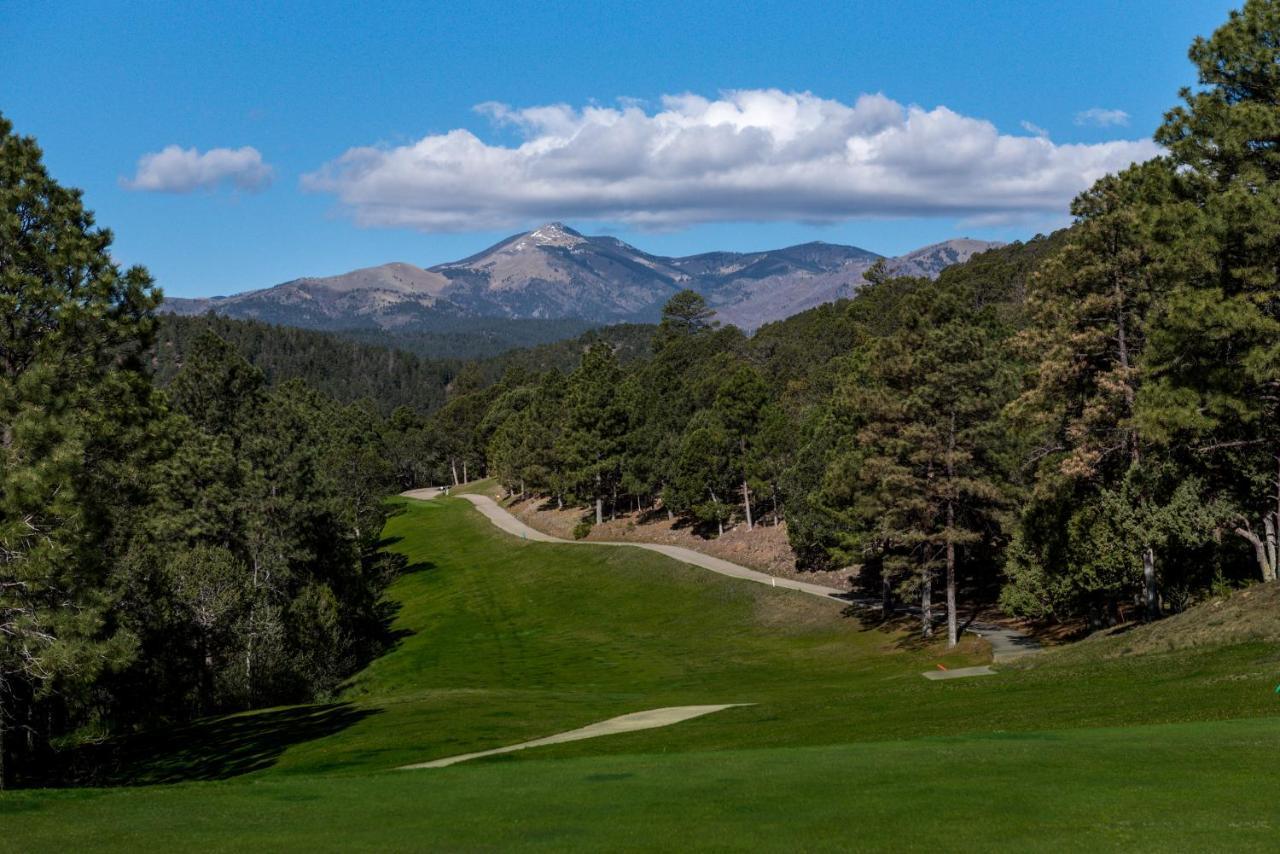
{"x": 847, "y": 745}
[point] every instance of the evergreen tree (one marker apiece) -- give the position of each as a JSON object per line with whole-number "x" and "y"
{"x": 595, "y": 427}
{"x": 73, "y": 409}
{"x": 1215, "y": 345}
{"x": 1091, "y": 305}
{"x": 738, "y": 407}
{"x": 686, "y": 313}
{"x": 703, "y": 477}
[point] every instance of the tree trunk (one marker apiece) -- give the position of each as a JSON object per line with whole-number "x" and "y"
{"x": 599, "y": 510}
{"x": 952, "y": 622}
{"x": 453, "y": 465}
{"x": 465, "y": 479}
{"x": 248, "y": 664}
{"x": 716, "y": 502}
{"x": 926, "y": 602}
{"x": 1273, "y": 548}
{"x": 1272, "y": 555}
{"x": 746, "y": 503}
{"x": 1149, "y": 582}
{"x": 248, "y": 649}
{"x": 4, "y": 764}
{"x": 1266, "y": 560}
{"x": 1122, "y": 355}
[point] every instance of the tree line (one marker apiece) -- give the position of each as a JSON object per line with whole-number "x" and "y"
{"x": 386, "y": 371}
{"x": 164, "y": 554}
{"x": 338, "y": 368}
{"x": 1084, "y": 425}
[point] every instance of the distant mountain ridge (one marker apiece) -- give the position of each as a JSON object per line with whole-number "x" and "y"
{"x": 554, "y": 271}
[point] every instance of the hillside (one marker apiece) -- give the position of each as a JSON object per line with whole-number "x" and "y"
{"x": 472, "y": 337}
{"x": 555, "y": 272}
{"x": 1250, "y": 615}
{"x": 385, "y": 370}
{"x": 344, "y": 370}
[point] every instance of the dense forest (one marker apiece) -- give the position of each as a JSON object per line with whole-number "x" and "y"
{"x": 163, "y": 554}
{"x": 381, "y": 373}
{"x": 338, "y": 368}
{"x": 1086, "y": 422}
{"x": 472, "y": 338}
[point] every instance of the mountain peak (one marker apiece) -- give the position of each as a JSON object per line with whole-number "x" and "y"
{"x": 551, "y": 234}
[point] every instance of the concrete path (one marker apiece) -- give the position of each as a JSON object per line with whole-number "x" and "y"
{"x": 959, "y": 672}
{"x": 634, "y": 722}
{"x": 1006, "y": 644}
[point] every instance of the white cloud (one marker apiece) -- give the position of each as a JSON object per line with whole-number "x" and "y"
{"x": 1099, "y": 117}
{"x": 1034, "y": 129}
{"x": 183, "y": 170}
{"x": 761, "y": 155}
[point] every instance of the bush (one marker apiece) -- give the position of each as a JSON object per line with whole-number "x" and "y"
{"x": 581, "y": 529}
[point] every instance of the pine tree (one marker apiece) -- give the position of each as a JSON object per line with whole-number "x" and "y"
{"x": 595, "y": 428}
{"x": 1091, "y": 304}
{"x": 73, "y": 409}
{"x": 924, "y": 482}
{"x": 1215, "y": 346}
{"x": 739, "y": 403}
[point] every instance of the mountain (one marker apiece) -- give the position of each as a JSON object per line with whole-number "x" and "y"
{"x": 391, "y": 296}
{"x": 553, "y": 271}
{"x": 931, "y": 260}
{"x": 556, "y": 272}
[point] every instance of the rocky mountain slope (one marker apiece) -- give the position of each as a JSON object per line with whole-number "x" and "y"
{"x": 556, "y": 272}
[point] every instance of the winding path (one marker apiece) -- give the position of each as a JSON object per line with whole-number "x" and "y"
{"x": 1006, "y": 644}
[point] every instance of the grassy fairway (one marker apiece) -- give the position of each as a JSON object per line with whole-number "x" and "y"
{"x": 846, "y": 746}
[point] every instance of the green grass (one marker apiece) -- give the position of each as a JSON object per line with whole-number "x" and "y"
{"x": 846, "y": 746}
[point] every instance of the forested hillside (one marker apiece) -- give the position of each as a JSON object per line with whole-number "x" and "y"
{"x": 386, "y": 376}
{"x": 473, "y": 337}
{"x": 338, "y": 368}
{"x": 1087, "y": 423}
{"x": 169, "y": 553}
{"x": 828, "y": 420}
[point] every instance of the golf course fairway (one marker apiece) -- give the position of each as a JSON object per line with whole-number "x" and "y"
{"x": 837, "y": 744}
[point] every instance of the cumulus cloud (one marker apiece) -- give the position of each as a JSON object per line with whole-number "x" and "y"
{"x": 1099, "y": 117}
{"x": 761, "y": 155}
{"x": 183, "y": 170}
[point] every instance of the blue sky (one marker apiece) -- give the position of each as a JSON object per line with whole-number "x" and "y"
{"x": 101, "y": 85}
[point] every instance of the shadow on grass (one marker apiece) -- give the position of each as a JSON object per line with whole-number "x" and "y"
{"x": 904, "y": 620}
{"x": 209, "y": 749}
